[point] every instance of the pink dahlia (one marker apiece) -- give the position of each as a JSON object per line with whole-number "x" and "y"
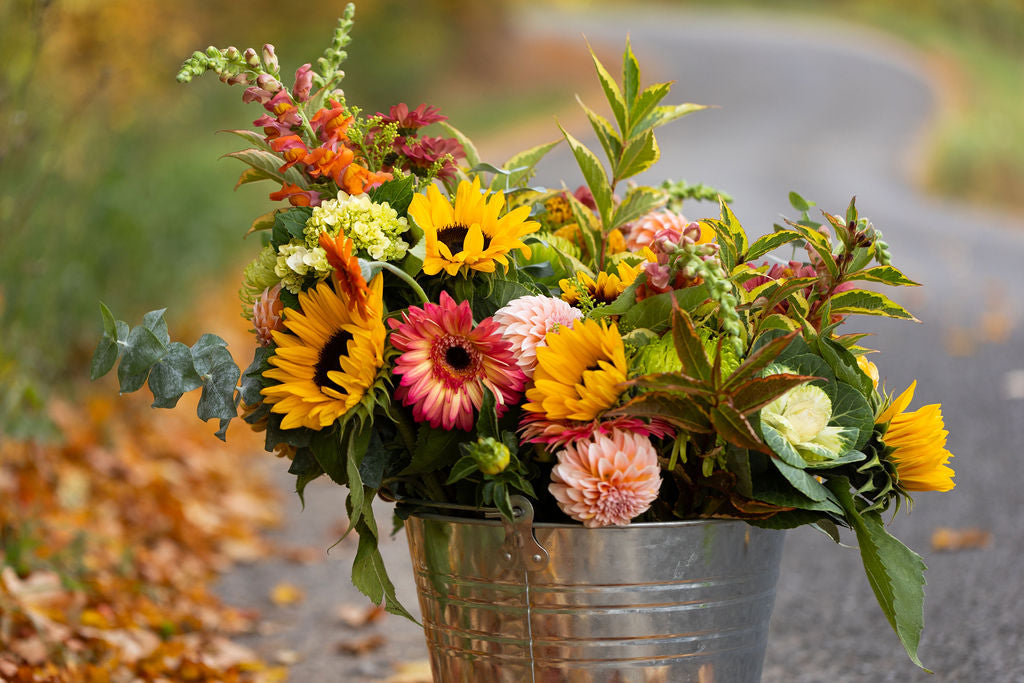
{"x": 607, "y": 480}
{"x": 446, "y": 363}
{"x": 654, "y": 225}
{"x": 523, "y": 322}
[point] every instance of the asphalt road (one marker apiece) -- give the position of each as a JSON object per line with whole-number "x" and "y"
{"x": 829, "y": 113}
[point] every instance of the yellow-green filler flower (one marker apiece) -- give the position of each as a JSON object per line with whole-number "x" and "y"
{"x": 373, "y": 228}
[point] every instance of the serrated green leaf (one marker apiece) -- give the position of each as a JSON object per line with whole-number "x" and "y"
{"x": 472, "y": 155}
{"x": 270, "y": 163}
{"x": 680, "y": 412}
{"x": 290, "y": 224}
{"x": 763, "y": 354}
{"x": 172, "y": 376}
{"x": 463, "y": 467}
{"x": 630, "y": 77}
{"x": 435, "y": 448}
{"x": 758, "y": 392}
{"x": 665, "y": 114}
{"x": 638, "y": 202}
{"x": 252, "y": 175}
{"x": 735, "y": 428}
{"x": 638, "y": 155}
{"x": 611, "y": 91}
{"x": 264, "y": 222}
{"x": 142, "y": 350}
{"x": 770, "y": 242}
{"x": 689, "y": 346}
{"x": 368, "y": 572}
{"x": 589, "y": 227}
{"x": 644, "y": 105}
{"x": 865, "y": 302}
{"x": 895, "y": 572}
{"x": 524, "y": 164}
{"x": 594, "y": 174}
{"x": 606, "y": 134}
{"x": 886, "y": 275}
{"x": 844, "y": 364}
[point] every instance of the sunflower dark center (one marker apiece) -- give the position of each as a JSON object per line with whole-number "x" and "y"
{"x": 458, "y": 357}
{"x": 454, "y": 237}
{"x": 330, "y": 360}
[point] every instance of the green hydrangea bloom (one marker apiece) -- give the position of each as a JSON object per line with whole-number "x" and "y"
{"x": 373, "y": 228}
{"x": 658, "y": 356}
{"x": 295, "y": 262}
{"x": 258, "y": 276}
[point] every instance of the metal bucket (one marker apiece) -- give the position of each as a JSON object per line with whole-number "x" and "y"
{"x": 671, "y": 602}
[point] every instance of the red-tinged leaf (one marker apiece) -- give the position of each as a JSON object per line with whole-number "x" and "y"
{"x": 264, "y": 222}
{"x": 756, "y": 393}
{"x": 252, "y": 175}
{"x": 689, "y": 347}
{"x": 758, "y": 360}
{"x": 734, "y": 427}
{"x": 673, "y": 382}
{"x": 678, "y": 411}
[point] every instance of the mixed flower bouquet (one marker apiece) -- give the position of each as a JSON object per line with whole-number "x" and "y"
{"x": 429, "y": 327}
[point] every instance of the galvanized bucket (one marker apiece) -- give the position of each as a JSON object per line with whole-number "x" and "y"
{"x": 670, "y": 602}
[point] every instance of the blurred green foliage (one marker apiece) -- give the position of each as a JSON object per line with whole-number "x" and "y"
{"x": 110, "y": 183}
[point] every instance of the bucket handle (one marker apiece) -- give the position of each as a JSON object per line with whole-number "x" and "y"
{"x": 521, "y": 549}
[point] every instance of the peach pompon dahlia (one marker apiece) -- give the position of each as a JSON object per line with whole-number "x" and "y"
{"x": 445, "y": 363}
{"x": 523, "y": 322}
{"x": 606, "y": 480}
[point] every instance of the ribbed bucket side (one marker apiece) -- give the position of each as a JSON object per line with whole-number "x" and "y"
{"x": 662, "y": 602}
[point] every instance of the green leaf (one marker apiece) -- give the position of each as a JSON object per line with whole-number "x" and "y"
{"x": 886, "y": 275}
{"x": 142, "y": 350}
{"x": 463, "y": 467}
{"x": 611, "y": 91}
{"x": 689, "y": 346}
{"x": 606, "y": 134}
{"x": 802, "y": 481}
{"x": 655, "y": 312}
{"x": 730, "y": 235}
{"x": 487, "y": 421}
{"x": 326, "y": 447}
{"x": 290, "y": 224}
{"x": 472, "y": 155}
{"x": 435, "y": 448}
{"x": 109, "y": 323}
{"x": 630, "y": 78}
{"x": 680, "y": 412}
{"x": 397, "y": 193}
{"x": 735, "y": 428}
{"x": 270, "y": 163}
{"x": 588, "y": 224}
{"x": 864, "y": 302}
{"x": 758, "y": 392}
{"x": 895, "y": 572}
{"x": 793, "y": 499}
{"x": 770, "y": 242}
{"x": 844, "y": 364}
{"x": 368, "y": 572}
{"x": 250, "y": 136}
{"x": 788, "y": 519}
{"x": 103, "y": 358}
{"x": 594, "y": 174}
{"x": 172, "y": 376}
{"x": 522, "y": 165}
{"x": 847, "y": 458}
{"x": 665, "y": 114}
{"x": 770, "y": 349}
{"x": 218, "y": 397}
{"x": 252, "y": 175}
{"x": 252, "y": 378}
{"x": 851, "y": 411}
{"x": 305, "y": 468}
{"x": 155, "y": 323}
{"x": 639, "y": 154}
{"x": 644, "y": 105}
{"x": 781, "y": 446}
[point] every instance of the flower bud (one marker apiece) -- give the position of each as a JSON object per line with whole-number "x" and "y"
{"x": 238, "y": 79}
{"x": 251, "y": 59}
{"x": 491, "y": 455}
{"x": 270, "y": 59}
{"x": 231, "y": 53}
{"x": 268, "y": 83}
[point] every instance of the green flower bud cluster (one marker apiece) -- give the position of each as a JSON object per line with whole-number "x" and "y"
{"x": 700, "y": 260}
{"x": 657, "y": 356}
{"x": 373, "y": 228}
{"x": 336, "y": 54}
{"x": 258, "y": 276}
{"x": 679, "y": 190}
{"x": 491, "y": 455}
{"x": 233, "y": 66}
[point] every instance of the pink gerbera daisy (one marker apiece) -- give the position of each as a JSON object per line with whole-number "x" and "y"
{"x": 446, "y": 363}
{"x": 606, "y": 480}
{"x": 525, "y": 321}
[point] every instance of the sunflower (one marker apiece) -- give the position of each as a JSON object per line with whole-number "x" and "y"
{"x": 469, "y": 235}
{"x": 324, "y": 367}
{"x": 579, "y": 372}
{"x": 605, "y": 289}
{"x": 446, "y": 363}
{"x": 919, "y": 440}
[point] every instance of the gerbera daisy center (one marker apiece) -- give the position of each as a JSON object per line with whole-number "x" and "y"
{"x": 458, "y": 357}
{"x": 455, "y": 357}
{"x": 454, "y": 237}
{"x": 330, "y": 360}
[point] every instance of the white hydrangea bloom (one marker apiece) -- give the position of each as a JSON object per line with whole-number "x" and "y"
{"x": 295, "y": 261}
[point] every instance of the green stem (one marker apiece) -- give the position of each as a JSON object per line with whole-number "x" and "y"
{"x": 409, "y": 280}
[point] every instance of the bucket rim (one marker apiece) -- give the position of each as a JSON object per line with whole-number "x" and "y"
{"x": 681, "y": 523}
